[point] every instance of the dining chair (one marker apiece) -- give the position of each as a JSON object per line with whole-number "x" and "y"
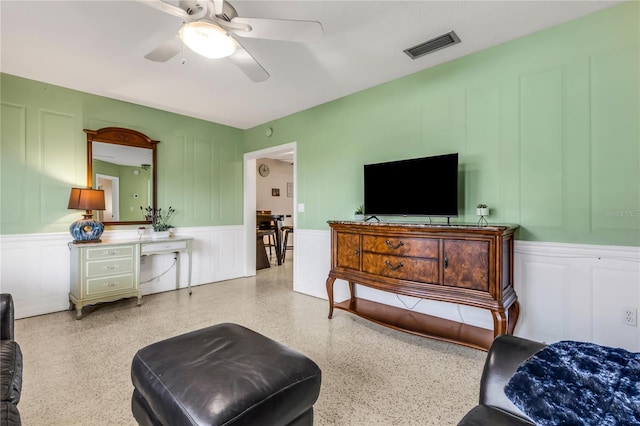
{"x": 268, "y": 225}
{"x": 286, "y": 230}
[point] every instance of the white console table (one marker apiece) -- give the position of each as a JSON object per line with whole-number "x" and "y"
{"x": 110, "y": 270}
{"x": 176, "y": 245}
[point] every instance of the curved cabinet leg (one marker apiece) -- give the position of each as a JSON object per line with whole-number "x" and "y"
{"x": 514, "y": 314}
{"x": 330, "y": 282}
{"x": 79, "y": 312}
{"x": 499, "y": 323}
{"x": 352, "y": 296}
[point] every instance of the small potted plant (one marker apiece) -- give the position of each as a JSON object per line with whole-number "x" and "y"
{"x": 359, "y": 213}
{"x": 159, "y": 220}
{"x": 482, "y": 210}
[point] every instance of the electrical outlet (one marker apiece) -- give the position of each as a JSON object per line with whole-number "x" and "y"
{"x": 629, "y": 316}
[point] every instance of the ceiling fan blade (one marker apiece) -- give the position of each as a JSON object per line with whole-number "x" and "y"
{"x": 280, "y": 29}
{"x": 166, "y": 50}
{"x": 167, "y": 8}
{"x": 247, "y": 63}
{"x": 217, "y": 7}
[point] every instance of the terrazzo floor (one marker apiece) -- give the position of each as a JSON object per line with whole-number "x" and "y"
{"x": 78, "y": 372}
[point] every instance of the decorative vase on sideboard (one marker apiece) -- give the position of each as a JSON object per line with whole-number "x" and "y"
{"x": 483, "y": 212}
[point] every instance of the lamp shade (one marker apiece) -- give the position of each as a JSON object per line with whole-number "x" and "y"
{"x": 87, "y": 229}
{"x": 86, "y": 199}
{"x": 207, "y": 39}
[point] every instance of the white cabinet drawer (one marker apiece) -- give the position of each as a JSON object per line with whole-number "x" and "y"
{"x": 104, "y": 272}
{"x": 109, "y": 267}
{"x": 111, "y": 284}
{"x": 109, "y": 252}
{"x": 164, "y": 247}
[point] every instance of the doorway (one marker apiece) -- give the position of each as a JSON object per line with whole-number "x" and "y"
{"x": 111, "y": 187}
{"x": 250, "y": 183}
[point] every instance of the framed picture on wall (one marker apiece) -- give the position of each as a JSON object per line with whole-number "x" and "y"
{"x": 289, "y": 189}
{"x": 275, "y": 192}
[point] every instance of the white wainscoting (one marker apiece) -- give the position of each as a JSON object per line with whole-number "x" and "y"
{"x": 577, "y": 292}
{"x": 34, "y": 268}
{"x": 566, "y": 291}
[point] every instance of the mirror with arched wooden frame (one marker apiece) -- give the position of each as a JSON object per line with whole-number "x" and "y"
{"x": 123, "y": 162}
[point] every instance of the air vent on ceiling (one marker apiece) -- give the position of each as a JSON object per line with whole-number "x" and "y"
{"x": 432, "y": 45}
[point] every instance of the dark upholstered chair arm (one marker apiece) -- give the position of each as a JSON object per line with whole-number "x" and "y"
{"x": 504, "y": 357}
{"x": 6, "y": 317}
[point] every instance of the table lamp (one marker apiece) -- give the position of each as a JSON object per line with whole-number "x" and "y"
{"x": 87, "y": 229}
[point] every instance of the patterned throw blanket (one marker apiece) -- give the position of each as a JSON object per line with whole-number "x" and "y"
{"x": 578, "y": 383}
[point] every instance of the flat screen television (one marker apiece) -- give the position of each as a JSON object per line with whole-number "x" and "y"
{"x": 426, "y": 186}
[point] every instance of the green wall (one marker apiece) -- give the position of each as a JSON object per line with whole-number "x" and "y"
{"x": 43, "y": 155}
{"x": 131, "y": 183}
{"x": 547, "y": 127}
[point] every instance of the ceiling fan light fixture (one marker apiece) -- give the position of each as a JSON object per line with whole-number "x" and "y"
{"x": 207, "y": 39}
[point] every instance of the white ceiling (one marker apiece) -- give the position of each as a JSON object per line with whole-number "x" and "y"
{"x": 120, "y": 154}
{"x": 99, "y": 46}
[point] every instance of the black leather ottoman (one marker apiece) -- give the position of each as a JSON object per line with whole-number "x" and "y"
{"x": 223, "y": 375}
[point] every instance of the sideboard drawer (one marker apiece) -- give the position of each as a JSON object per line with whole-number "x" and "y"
{"x": 111, "y": 284}
{"x": 109, "y": 267}
{"x": 163, "y": 247}
{"x": 400, "y": 246}
{"x": 109, "y": 252}
{"x": 405, "y": 268}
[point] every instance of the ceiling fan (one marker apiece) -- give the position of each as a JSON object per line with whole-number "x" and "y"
{"x": 212, "y": 28}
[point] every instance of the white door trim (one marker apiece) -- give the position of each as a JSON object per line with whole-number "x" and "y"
{"x": 250, "y": 198}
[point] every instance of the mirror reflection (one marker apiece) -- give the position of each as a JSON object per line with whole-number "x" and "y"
{"x": 122, "y": 162}
{"x": 125, "y": 174}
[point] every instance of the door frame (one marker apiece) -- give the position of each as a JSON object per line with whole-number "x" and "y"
{"x": 250, "y": 183}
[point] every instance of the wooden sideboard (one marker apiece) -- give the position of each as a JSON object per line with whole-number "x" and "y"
{"x": 464, "y": 264}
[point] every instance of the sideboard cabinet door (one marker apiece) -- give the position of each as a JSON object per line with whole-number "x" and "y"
{"x": 348, "y": 250}
{"x": 466, "y": 264}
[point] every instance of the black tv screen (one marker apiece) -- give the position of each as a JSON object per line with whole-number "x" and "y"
{"x": 425, "y": 186}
